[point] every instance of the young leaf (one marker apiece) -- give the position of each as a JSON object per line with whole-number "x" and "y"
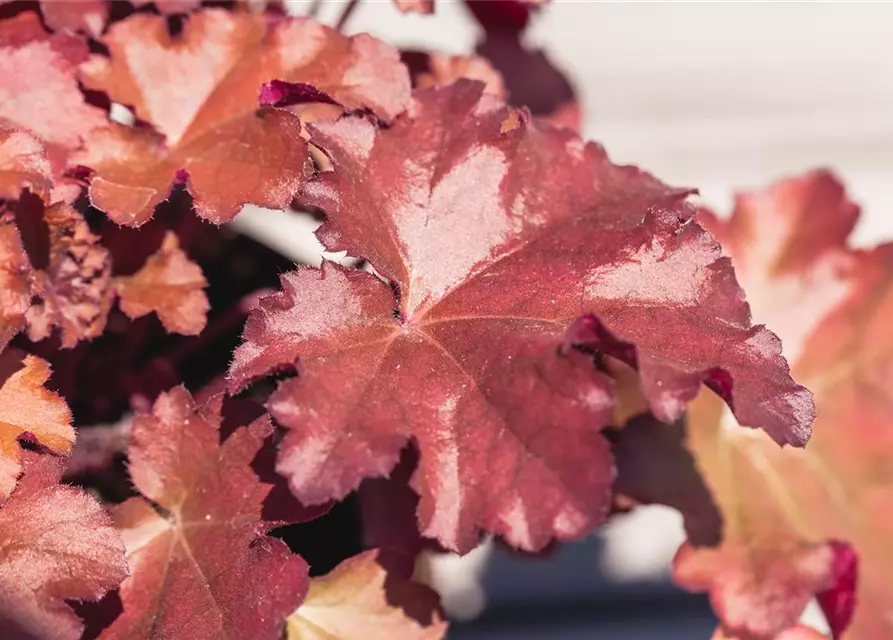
{"x": 38, "y": 85}
{"x": 784, "y": 508}
{"x": 56, "y": 544}
{"x": 28, "y": 409}
{"x": 201, "y": 565}
{"x": 74, "y": 292}
{"x": 500, "y": 235}
{"x": 169, "y": 284}
{"x": 362, "y": 600}
{"x": 200, "y": 91}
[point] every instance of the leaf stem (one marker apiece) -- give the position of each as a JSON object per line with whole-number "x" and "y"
{"x": 345, "y": 15}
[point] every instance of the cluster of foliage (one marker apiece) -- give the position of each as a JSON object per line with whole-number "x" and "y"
{"x": 542, "y": 338}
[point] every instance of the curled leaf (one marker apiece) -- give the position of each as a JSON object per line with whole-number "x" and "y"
{"x": 209, "y": 132}
{"x": 74, "y": 292}
{"x": 28, "y": 409}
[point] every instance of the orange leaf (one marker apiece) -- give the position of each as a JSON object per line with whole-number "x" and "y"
{"x": 169, "y": 284}
{"x": 15, "y": 280}
{"x": 361, "y": 600}
{"x": 783, "y": 508}
{"x": 28, "y": 407}
{"x": 200, "y": 91}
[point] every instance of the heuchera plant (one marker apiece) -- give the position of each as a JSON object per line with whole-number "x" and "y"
{"x": 536, "y": 338}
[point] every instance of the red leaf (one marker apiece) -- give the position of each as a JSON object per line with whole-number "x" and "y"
{"x": 201, "y": 564}
{"x": 498, "y": 234}
{"x": 28, "y": 409}
{"x": 169, "y": 284}
{"x": 530, "y": 77}
{"x": 362, "y": 599}
{"x": 56, "y": 544}
{"x": 211, "y": 130}
{"x": 45, "y": 99}
{"x": 74, "y": 290}
{"x": 830, "y": 304}
{"x": 758, "y": 599}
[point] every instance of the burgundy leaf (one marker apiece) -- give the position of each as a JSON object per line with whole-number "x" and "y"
{"x": 201, "y": 564}
{"x": 498, "y": 234}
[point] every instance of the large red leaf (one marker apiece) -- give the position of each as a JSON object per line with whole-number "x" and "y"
{"x": 200, "y": 91}
{"x": 783, "y": 509}
{"x": 56, "y": 544}
{"x": 28, "y": 409}
{"x": 38, "y": 83}
{"x": 361, "y": 599}
{"x": 201, "y": 565}
{"x": 498, "y": 234}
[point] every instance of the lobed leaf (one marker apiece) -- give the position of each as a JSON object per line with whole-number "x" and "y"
{"x": 171, "y": 285}
{"x": 362, "y": 600}
{"x": 797, "y": 521}
{"x": 199, "y": 90}
{"x": 506, "y": 241}
{"x": 56, "y": 544}
{"x": 201, "y": 565}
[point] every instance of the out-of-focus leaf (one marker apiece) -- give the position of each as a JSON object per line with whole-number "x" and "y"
{"x": 169, "y": 284}
{"x": 797, "y": 520}
{"x": 362, "y": 600}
